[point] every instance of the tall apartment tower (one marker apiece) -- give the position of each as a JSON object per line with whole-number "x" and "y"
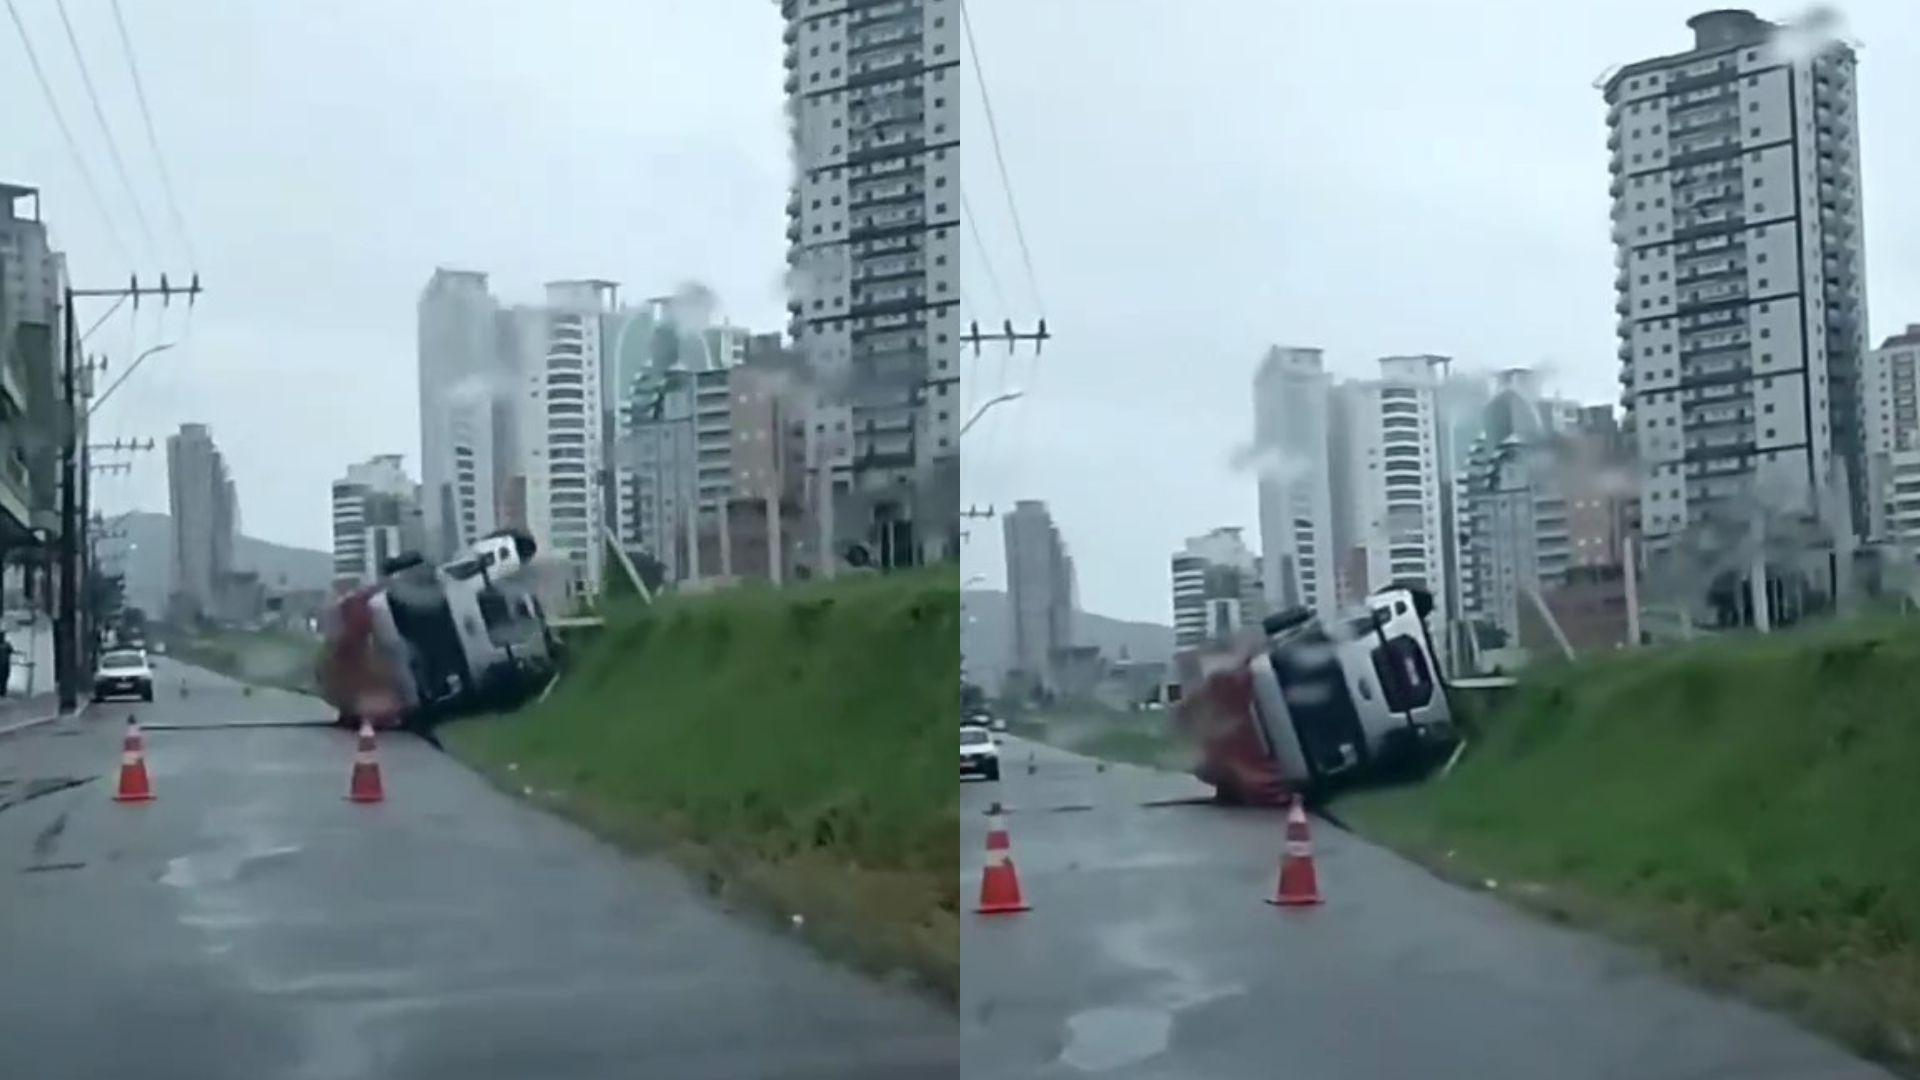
{"x": 466, "y": 415}
{"x": 1890, "y": 413}
{"x": 1040, "y": 589}
{"x": 201, "y": 501}
{"x": 1292, "y": 403}
{"x": 1740, "y": 275}
{"x": 557, "y": 479}
{"x": 873, "y": 224}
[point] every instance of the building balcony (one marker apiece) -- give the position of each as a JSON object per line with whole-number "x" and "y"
{"x": 1723, "y": 73}
{"x": 1716, "y": 419}
{"x": 882, "y": 37}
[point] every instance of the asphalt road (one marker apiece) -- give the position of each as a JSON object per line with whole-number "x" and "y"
{"x": 253, "y": 924}
{"x": 1149, "y": 953}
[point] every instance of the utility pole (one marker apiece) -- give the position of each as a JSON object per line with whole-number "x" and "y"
{"x": 73, "y": 649}
{"x": 974, "y": 513}
{"x": 1008, "y": 334}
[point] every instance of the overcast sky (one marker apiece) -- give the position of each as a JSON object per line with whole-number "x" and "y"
{"x": 1201, "y": 179}
{"x": 329, "y": 155}
{"x": 1198, "y": 179}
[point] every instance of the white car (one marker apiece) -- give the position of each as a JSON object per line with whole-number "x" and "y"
{"x": 979, "y": 753}
{"x": 123, "y": 673}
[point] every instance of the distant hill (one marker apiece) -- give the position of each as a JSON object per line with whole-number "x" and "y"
{"x": 148, "y": 550}
{"x": 986, "y": 636}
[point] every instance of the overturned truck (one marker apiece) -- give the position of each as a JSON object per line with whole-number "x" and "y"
{"x": 1309, "y": 705}
{"x": 425, "y": 643}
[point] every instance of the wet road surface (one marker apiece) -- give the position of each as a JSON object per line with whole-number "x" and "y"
{"x": 253, "y": 924}
{"x": 1149, "y": 953}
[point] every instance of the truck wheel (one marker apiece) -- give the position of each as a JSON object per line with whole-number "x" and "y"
{"x": 147, "y": 695}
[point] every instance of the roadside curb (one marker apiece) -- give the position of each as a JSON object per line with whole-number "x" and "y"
{"x": 39, "y": 721}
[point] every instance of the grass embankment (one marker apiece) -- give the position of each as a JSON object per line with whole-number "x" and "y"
{"x": 1747, "y": 806}
{"x": 276, "y": 658}
{"x": 794, "y": 747}
{"x": 1136, "y": 738}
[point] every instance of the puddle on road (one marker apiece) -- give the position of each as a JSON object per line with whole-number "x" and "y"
{"x": 221, "y": 867}
{"x": 1100, "y": 1040}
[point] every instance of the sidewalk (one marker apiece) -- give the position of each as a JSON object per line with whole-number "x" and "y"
{"x": 19, "y": 714}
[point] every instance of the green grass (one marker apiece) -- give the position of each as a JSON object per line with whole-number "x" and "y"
{"x": 1746, "y": 805}
{"x": 794, "y": 747}
{"x": 1135, "y": 738}
{"x": 275, "y": 658}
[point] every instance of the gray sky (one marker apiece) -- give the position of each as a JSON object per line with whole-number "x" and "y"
{"x": 328, "y": 155}
{"x": 1197, "y": 179}
{"x": 1200, "y": 179}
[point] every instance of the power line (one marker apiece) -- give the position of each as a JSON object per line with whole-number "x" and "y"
{"x": 1000, "y": 160}
{"x": 986, "y": 261}
{"x": 106, "y": 130}
{"x": 73, "y": 148}
{"x": 108, "y": 314}
{"x": 153, "y": 139}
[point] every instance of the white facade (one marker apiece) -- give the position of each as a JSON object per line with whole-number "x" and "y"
{"x": 1890, "y": 414}
{"x": 1216, "y": 588}
{"x": 1740, "y": 283}
{"x": 562, "y": 429}
{"x": 1292, "y": 403}
{"x": 874, "y": 230}
{"x": 467, "y": 375}
{"x": 1394, "y": 472}
{"x": 376, "y": 516}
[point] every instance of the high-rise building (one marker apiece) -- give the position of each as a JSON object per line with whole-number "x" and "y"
{"x": 469, "y": 376}
{"x": 1890, "y": 414}
{"x": 32, "y": 406}
{"x": 203, "y": 506}
{"x": 1394, "y": 473}
{"x": 1216, "y": 589}
{"x": 1292, "y": 401}
{"x": 1542, "y": 504}
{"x": 768, "y": 460}
{"x": 873, "y": 224}
{"x": 1040, "y": 591}
{"x": 677, "y": 482}
{"x": 376, "y": 516}
{"x": 1740, "y": 278}
{"x": 562, "y": 428}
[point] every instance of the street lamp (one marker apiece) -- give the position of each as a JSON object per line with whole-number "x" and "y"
{"x": 124, "y": 375}
{"x": 998, "y": 399}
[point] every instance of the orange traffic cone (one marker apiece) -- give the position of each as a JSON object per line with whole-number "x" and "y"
{"x": 999, "y": 886}
{"x": 366, "y": 786}
{"x": 134, "y": 785}
{"x": 1299, "y": 884}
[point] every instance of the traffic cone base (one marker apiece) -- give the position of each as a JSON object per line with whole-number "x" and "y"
{"x": 365, "y": 786}
{"x": 1000, "y": 884}
{"x": 1000, "y": 887}
{"x": 134, "y": 786}
{"x": 1299, "y": 881}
